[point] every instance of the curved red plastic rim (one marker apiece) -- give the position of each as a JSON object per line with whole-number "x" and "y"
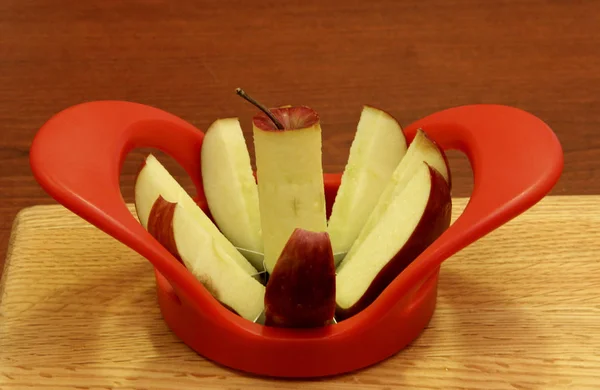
{"x": 77, "y": 157}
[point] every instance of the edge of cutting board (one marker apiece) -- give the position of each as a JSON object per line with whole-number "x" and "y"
{"x": 520, "y": 308}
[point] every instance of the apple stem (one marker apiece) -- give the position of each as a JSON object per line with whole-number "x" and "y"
{"x": 261, "y": 107}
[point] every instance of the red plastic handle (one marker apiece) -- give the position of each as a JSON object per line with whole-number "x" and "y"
{"x": 77, "y": 156}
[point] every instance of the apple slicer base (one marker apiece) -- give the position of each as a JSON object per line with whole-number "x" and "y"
{"x": 77, "y": 157}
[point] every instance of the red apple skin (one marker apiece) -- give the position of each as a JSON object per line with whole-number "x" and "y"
{"x": 435, "y": 220}
{"x": 160, "y": 225}
{"x": 292, "y": 118}
{"x": 300, "y": 292}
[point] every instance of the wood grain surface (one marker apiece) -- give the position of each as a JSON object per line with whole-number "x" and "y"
{"x": 411, "y": 58}
{"x": 519, "y": 309}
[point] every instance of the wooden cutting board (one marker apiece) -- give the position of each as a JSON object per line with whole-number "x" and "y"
{"x": 519, "y": 309}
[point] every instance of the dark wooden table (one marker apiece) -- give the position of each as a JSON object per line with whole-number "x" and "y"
{"x": 411, "y": 58}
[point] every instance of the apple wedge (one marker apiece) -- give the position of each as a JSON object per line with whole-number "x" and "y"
{"x": 290, "y": 177}
{"x": 230, "y": 187}
{"x": 421, "y": 149}
{"x": 414, "y": 219}
{"x": 207, "y": 260}
{"x": 153, "y": 182}
{"x": 377, "y": 148}
{"x": 300, "y": 292}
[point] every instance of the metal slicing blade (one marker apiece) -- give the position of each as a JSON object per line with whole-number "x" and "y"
{"x": 337, "y": 257}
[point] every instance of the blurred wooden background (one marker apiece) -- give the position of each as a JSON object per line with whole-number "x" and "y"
{"x": 410, "y": 58}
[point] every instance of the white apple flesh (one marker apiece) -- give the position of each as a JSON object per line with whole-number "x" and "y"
{"x": 414, "y": 219}
{"x": 230, "y": 187}
{"x": 421, "y": 149}
{"x": 153, "y": 182}
{"x": 378, "y": 147}
{"x": 290, "y": 177}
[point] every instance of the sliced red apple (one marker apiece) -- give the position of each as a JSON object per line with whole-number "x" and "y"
{"x": 207, "y": 260}
{"x": 378, "y": 147}
{"x": 153, "y": 182}
{"x": 230, "y": 187}
{"x": 300, "y": 292}
{"x": 290, "y": 177}
{"x": 421, "y": 149}
{"x": 414, "y": 219}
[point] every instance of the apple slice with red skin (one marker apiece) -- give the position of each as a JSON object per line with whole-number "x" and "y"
{"x": 153, "y": 182}
{"x": 300, "y": 292}
{"x": 413, "y": 220}
{"x": 189, "y": 241}
{"x": 422, "y": 148}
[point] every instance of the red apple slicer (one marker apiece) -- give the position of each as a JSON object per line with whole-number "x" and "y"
{"x": 77, "y": 158}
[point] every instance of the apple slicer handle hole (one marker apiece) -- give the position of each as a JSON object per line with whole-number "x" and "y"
{"x": 515, "y": 157}
{"x": 134, "y": 161}
{"x": 461, "y": 173}
{"x": 80, "y": 157}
